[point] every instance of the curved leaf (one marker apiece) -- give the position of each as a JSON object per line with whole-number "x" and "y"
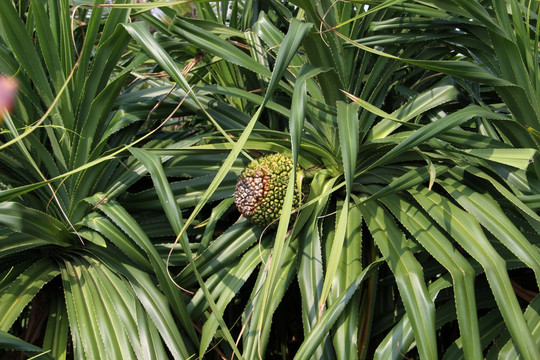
{"x": 466, "y": 231}
{"x": 409, "y": 277}
{"x": 10, "y": 342}
{"x": 316, "y": 336}
{"x": 16, "y": 296}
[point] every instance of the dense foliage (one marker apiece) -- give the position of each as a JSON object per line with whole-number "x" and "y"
{"x": 417, "y": 124}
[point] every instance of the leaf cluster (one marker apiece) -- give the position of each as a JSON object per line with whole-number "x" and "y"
{"x": 417, "y": 125}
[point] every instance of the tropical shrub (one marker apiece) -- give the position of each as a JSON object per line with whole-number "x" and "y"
{"x": 416, "y": 124}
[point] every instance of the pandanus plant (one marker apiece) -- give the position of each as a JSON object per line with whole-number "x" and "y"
{"x": 405, "y": 223}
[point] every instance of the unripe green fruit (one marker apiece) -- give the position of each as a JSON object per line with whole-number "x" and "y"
{"x": 261, "y": 188}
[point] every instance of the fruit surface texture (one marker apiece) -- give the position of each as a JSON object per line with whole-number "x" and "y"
{"x": 261, "y": 188}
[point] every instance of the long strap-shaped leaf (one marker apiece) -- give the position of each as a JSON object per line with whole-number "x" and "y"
{"x": 435, "y": 128}
{"x": 230, "y": 280}
{"x": 124, "y": 221}
{"x": 409, "y": 276}
{"x": 532, "y": 315}
{"x": 94, "y": 312}
{"x": 310, "y": 267}
{"x": 437, "y": 244}
{"x": 401, "y": 337}
{"x": 267, "y": 31}
{"x": 345, "y": 334}
{"x": 442, "y": 93}
{"x": 23, "y": 289}
{"x": 117, "y": 302}
{"x": 217, "y": 46}
{"x": 157, "y": 309}
{"x": 173, "y": 213}
{"x": 529, "y": 214}
{"x": 87, "y": 343}
{"x": 296, "y": 125}
{"x": 8, "y": 341}
{"x": 464, "y": 228}
{"x": 488, "y": 212}
{"x": 256, "y": 334}
{"x": 319, "y": 331}
{"x": 348, "y": 136}
{"x": 55, "y": 339}
{"x": 347, "y": 118}
{"x": 113, "y": 234}
{"x": 22, "y": 219}
{"x": 226, "y": 248}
